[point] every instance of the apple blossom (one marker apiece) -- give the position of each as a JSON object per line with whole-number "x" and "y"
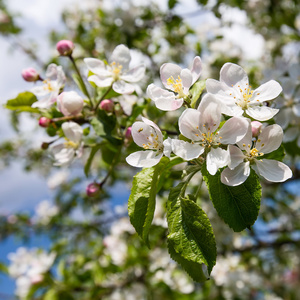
{"x": 30, "y": 75}
{"x": 48, "y": 92}
{"x": 117, "y": 74}
{"x": 202, "y": 128}
{"x": 238, "y": 98}
{"x": 65, "y": 47}
{"x": 249, "y": 154}
{"x": 147, "y": 134}
{"x": 177, "y": 80}
{"x": 69, "y": 103}
{"x": 65, "y": 153}
{"x": 107, "y": 105}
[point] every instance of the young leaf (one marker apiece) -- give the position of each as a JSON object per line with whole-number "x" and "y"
{"x": 196, "y": 91}
{"x": 238, "y": 205}
{"x": 22, "y": 102}
{"x": 190, "y": 234}
{"x": 141, "y": 203}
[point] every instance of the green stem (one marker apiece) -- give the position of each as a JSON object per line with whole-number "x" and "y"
{"x": 102, "y": 98}
{"x": 190, "y": 176}
{"x": 80, "y": 79}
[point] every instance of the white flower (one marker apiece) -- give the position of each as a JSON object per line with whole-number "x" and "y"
{"x": 48, "y": 92}
{"x": 44, "y": 212}
{"x": 146, "y": 134}
{"x": 247, "y": 154}
{"x": 65, "y": 153}
{"x": 237, "y": 97}
{"x": 69, "y": 103}
{"x": 201, "y": 127}
{"x": 117, "y": 73}
{"x": 177, "y": 80}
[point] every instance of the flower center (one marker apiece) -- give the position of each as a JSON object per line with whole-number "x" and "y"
{"x": 154, "y": 142}
{"x": 70, "y": 144}
{"x": 252, "y": 153}
{"x": 116, "y": 70}
{"x": 209, "y": 138}
{"x": 48, "y": 86}
{"x": 176, "y": 85}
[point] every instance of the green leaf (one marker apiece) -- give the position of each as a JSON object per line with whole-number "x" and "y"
{"x": 87, "y": 166}
{"x": 172, "y": 3}
{"x": 22, "y": 102}
{"x": 276, "y": 155}
{"x": 141, "y": 203}
{"x": 190, "y": 234}
{"x": 196, "y": 91}
{"x": 238, "y": 205}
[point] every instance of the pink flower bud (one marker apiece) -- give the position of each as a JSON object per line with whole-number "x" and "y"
{"x": 128, "y": 135}
{"x": 256, "y": 128}
{"x": 65, "y": 47}
{"x": 44, "y": 122}
{"x": 69, "y": 103}
{"x": 107, "y": 105}
{"x": 30, "y": 74}
{"x": 93, "y": 189}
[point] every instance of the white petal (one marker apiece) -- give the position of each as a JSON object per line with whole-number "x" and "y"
{"x": 236, "y": 156}
{"x": 216, "y": 158}
{"x": 127, "y": 102}
{"x": 135, "y": 74}
{"x": 189, "y": 122}
{"x": 187, "y": 79}
{"x": 186, "y": 150}
{"x": 168, "y": 146}
{"x": 261, "y": 113}
{"x": 284, "y": 117}
{"x": 163, "y": 99}
{"x": 273, "y": 170}
{"x": 236, "y": 176}
{"x": 296, "y": 109}
{"x": 72, "y": 131}
{"x": 40, "y": 91}
{"x": 123, "y": 87}
{"x": 233, "y": 130}
{"x": 121, "y": 55}
{"x": 247, "y": 139}
{"x": 270, "y": 139}
{"x": 96, "y": 66}
{"x": 147, "y": 121}
{"x": 101, "y": 81}
{"x": 46, "y": 102}
{"x": 169, "y": 70}
{"x": 63, "y": 156}
{"x": 209, "y": 109}
{"x": 196, "y": 69}
{"x": 144, "y": 159}
{"x": 267, "y": 91}
{"x": 232, "y": 75}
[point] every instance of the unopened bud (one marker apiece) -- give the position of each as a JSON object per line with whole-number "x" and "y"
{"x": 93, "y": 189}
{"x": 256, "y": 128}
{"x": 128, "y": 135}
{"x": 69, "y": 103}
{"x": 65, "y": 47}
{"x": 107, "y": 105}
{"x": 45, "y": 146}
{"x": 44, "y": 122}
{"x": 30, "y": 75}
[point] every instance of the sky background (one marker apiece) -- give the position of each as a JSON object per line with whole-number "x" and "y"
{"x": 20, "y": 191}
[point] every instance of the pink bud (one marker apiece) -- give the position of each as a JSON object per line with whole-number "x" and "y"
{"x": 93, "y": 189}
{"x": 107, "y": 105}
{"x": 30, "y": 74}
{"x": 128, "y": 135}
{"x": 256, "y": 126}
{"x": 44, "y": 122}
{"x": 65, "y": 47}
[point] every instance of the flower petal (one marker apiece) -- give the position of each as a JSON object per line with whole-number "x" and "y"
{"x": 236, "y": 156}
{"x": 168, "y": 146}
{"x": 273, "y": 170}
{"x": 196, "y": 69}
{"x": 163, "y": 99}
{"x": 236, "y": 176}
{"x": 261, "y": 113}
{"x": 141, "y": 133}
{"x": 96, "y": 66}
{"x": 267, "y": 91}
{"x": 233, "y": 130}
{"x": 232, "y": 75}
{"x": 144, "y": 159}
{"x": 284, "y": 117}
{"x": 123, "y": 87}
{"x": 270, "y": 139}
{"x": 290, "y": 134}
{"x": 169, "y": 70}
{"x": 63, "y": 156}
{"x": 72, "y": 131}
{"x": 135, "y": 74}
{"x": 216, "y": 158}
{"x": 189, "y": 122}
{"x": 247, "y": 139}
{"x": 121, "y": 55}
{"x": 186, "y": 150}
{"x": 101, "y": 81}
{"x": 187, "y": 79}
